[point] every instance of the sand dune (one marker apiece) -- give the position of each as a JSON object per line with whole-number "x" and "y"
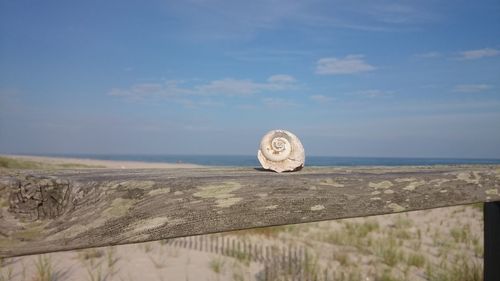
{"x": 111, "y": 164}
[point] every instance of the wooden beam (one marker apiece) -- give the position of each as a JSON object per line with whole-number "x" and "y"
{"x": 56, "y": 210}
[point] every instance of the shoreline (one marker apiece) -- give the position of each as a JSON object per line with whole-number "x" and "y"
{"x": 106, "y": 164}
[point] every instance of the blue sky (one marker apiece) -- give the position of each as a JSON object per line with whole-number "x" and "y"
{"x": 350, "y": 78}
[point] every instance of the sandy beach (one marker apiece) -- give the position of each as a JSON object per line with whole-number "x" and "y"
{"x": 109, "y": 164}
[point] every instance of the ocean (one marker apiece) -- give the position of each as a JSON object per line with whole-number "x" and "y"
{"x": 251, "y": 160}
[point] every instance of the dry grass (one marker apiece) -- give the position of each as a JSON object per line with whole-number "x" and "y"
{"x": 159, "y": 260}
{"x": 460, "y": 234}
{"x": 416, "y": 260}
{"x": 44, "y": 270}
{"x": 6, "y": 273}
{"x": 217, "y": 265}
{"x": 462, "y": 269}
{"x": 387, "y": 249}
{"x": 386, "y": 275}
{"x": 11, "y": 163}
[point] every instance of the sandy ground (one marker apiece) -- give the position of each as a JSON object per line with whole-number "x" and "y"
{"x": 104, "y": 163}
{"x": 423, "y": 245}
{"x": 438, "y": 244}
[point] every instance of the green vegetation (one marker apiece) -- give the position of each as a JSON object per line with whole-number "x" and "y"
{"x": 310, "y": 265}
{"x": 350, "y": 276}
{"x": 111, "y": 259}
{"x": 95, "y": 274}
{"x": 361, "y": 229}
{"x": 159, "y": 260}
{"x": 90, "y": 254}
{"x": 386, "y": 276}
{"x": 11, "y": 163}
{"x": 146, "y": 247}
{"x": 352, "y": 234}
{"x": 388, "y": 250}
{"x": 462, "y": 269}
{"x": 341, "y": 257}
{"x": 5, "y": 273}
{"x": 416, "y": 260}
{"x": 478, "y": 206}
{"x": 461, "y": 234}
{"x": 44, "y": 270}
{"x": 241, "y": 256}
{"x": 217, "y": 265}
{"x": 402, "y": 221}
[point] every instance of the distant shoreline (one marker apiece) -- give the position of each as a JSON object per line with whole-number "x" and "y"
{"x": 109, "y": 164}
{"x": 197, "y": 161}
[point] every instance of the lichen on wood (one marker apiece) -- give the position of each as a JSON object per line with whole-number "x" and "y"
{"x": 55, "y": 210}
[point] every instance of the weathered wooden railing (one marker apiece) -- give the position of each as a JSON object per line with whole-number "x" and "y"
{"x": 56, "y": 210}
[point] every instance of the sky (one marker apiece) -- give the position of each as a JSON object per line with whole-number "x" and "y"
{"x": 349, "y": 78}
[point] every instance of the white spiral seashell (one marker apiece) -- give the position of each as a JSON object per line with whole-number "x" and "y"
{"x": 281, "y": 151}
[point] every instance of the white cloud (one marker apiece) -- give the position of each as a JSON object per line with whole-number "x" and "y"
{"x": 428, "y": 55}
{"x": 471, "y": 88}
{"x": 229, "y": 87}
{"x": 349, "y": 65}
{"x": 151, "y": 90}
{"x": 237, "y": 87}
{"x": 281, "y": 78}
{"x": 223, "y": 87}
{"x": 278, "y": 103}
{"x": 373, "y": 93}
{"x": 236, "y": 19}
{"x": 321, "y": 98}
{"x": 479, "y": 53}
{"x": 266, "y": 54}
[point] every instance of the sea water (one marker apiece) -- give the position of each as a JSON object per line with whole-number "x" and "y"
{"x": 251, "y": 160}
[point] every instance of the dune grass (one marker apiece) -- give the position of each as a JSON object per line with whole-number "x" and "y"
{"x": 12, "y": 163}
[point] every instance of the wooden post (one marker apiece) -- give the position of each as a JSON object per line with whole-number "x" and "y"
{"x": 492, "y": 241}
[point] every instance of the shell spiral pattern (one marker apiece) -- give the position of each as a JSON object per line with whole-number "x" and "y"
{"x": 281, "y": 151}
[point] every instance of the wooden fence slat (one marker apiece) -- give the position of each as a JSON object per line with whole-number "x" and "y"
{"x": 225, "y": 248}
{"x": 101, "y": 207}
{"x": 211, "y": 243}
{"x": 233, "y": 248}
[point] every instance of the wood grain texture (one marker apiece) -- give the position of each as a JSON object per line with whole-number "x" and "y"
{"x": 46, "y": 211}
